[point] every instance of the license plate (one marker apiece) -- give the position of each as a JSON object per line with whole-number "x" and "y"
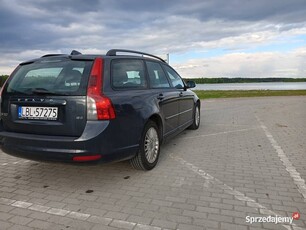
{"x": 37, "y": 113}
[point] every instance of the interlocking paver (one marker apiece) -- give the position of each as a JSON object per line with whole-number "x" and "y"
{"x": 164, "y": 224}
{"x": 39, "y": 216}
{"x": 99, "y": 220}
{"x": 146, "y": 227}
{"x": 5, "y": 216}
{"x": 179, "y": 218}
{"x": 116, "y": 215}
{"x": 151, "y": 207}
{"x": 140, "y": 219}
{"x": 122, "y": 224}
{"x": 21, "y": 220}
{"x": 206, "y": 223}
{"x": 207, "y": 209}
{"x": 162, "y": 203}
{"x": 189, "y": 227}
{"x": 39, "y": 224}
{"x": 98, "y": 227}
{"x": 221, "y": 218}
{"x": 195, "y": 214}
{"x": 229, "y": 154}
{"x": 5, "y": 208}
{"x": 228, "y": 226}
{"x": 57, "y": 211}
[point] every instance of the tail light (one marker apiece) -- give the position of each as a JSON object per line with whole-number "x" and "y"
{"x": 99, "y": 107}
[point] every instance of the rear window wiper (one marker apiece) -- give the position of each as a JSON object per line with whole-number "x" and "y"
{"x": 45, "y": 92}
{"x": 10, "y": 90}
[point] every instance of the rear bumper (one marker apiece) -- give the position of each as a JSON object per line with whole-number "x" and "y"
{"x": 95, "y": 140}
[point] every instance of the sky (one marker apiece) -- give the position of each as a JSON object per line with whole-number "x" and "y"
{"x": 204, "y": 38}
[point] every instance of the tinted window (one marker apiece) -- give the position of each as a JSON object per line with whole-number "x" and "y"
{"x": 175, "y": 79}
{"x": 157, "y": 76}
{"x": 128, "y": 74}
{"x": 55, "y": 77}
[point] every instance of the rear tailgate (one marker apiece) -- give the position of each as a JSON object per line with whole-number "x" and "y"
{"x": 63, "y": 116}
{"x": 48, "y": 97}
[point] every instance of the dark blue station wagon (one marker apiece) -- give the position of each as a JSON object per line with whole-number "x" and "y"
{"x": 80, "y": 108}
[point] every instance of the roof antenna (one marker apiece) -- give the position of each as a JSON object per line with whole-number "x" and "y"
{"x": 75, "y": 52}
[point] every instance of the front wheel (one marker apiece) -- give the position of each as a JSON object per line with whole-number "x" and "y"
{"x": 196, "y": 118}
{"x": 149, "y": 148}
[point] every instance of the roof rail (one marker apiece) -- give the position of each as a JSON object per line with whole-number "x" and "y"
{"x": 113, "y": 52}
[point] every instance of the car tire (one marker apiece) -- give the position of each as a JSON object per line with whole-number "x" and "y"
{"x": 196, "y": 118}
{"x": 149, "y": 148}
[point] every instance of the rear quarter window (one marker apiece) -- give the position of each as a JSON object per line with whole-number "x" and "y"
{"x": 128, "y": 74}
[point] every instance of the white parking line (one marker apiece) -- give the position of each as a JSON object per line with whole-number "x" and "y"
{"x": 295, "y": 175}
{"x": 220, "y": 133}
{"x": 72, "y": 214}
{"x": 14, "y": 163}
{"x": 229, "y": 190}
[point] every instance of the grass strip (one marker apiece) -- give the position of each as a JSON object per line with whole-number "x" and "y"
{"x": 206, "y": 94}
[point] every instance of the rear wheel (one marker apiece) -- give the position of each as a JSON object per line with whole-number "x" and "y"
{"x": 149, "y": 148}
{"x": 196, "y": 118}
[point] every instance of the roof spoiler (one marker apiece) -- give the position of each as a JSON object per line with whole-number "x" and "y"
{"x": 73, "y": 52}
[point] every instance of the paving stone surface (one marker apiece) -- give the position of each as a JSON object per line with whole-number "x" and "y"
{"x": 247, "y": 159}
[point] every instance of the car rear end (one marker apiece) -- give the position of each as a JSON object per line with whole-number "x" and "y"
{"x": 53, "y": 108}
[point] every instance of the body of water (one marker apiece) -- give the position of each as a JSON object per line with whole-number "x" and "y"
{"x": 254, "y": 86}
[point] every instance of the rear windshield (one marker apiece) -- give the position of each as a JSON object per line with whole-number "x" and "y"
{"x": 54, "y": 77}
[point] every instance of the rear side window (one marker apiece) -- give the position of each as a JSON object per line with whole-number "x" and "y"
{"x": 175, "y": 79}
{"x": 58, "y": 77}
{"x": 128, "y": 74}
{"x": 157, "y": 76}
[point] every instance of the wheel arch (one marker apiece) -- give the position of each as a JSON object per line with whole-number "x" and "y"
{"x": 198, "y": 102}
{"x": 158, "y": 121}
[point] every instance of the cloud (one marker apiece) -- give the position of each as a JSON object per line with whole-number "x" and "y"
{"x": 158, "y": 27}
{"x": 264, "y": 64}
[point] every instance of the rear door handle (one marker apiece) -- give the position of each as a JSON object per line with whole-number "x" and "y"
{"x": 160, "y": 96}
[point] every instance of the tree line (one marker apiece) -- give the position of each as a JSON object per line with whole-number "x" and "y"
{"x": 219, "y": 80}
{"x": 242, "y": 80}
{"x": 3, "y": 79}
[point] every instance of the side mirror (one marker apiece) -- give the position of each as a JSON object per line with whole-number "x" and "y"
{"x": 190, "y": 84}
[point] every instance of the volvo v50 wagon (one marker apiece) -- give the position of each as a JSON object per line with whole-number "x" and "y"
{"x": 80, "y": 108}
